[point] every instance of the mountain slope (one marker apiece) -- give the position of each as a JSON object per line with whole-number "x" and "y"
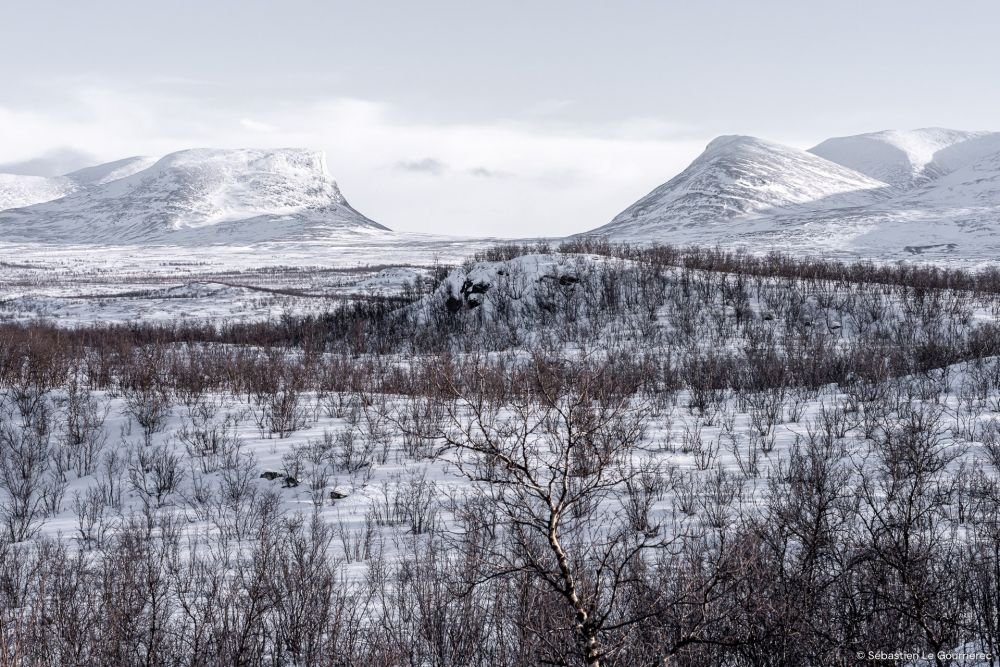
{"x": 17, "y": 190}
{"x": 973, "y": 186}
{"x": 197, "y": 195}
{"x": 932, "y": 192}
{"x": 740, "y": 176}
{"x": 103, "y": 174}
{"x": 907, "y": 159}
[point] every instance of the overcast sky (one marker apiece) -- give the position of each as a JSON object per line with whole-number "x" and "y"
{"x": 483, "y": 118}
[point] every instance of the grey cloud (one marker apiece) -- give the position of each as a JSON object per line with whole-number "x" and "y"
{"x": 483, "y": 172}
{"x": 427, "y": 165}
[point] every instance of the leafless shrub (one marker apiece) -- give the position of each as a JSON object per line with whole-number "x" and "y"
{"x": 357, "y": 542}
{"x": 989, "y": 435}
{"x": 643, "y": 490}
{"x": 24, "y": 468}
{"x": 154, "y": 473}
{"x": 318, "y": 454}
{"x": 84, "y": 435}
{"x": 208, "y": 437}
{"x": 352, "y": 453}
{"x": 285, "y": 415}
{"x": 109, "y": 477}
{"x": 89, "y": 510}
{"x": 145, "y": 392}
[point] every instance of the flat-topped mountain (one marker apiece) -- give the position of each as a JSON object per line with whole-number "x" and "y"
{"x": 197, "y": 195}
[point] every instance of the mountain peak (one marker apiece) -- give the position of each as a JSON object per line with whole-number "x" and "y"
{"x": 739, "y": 175}
{"x": 737, "y": 142}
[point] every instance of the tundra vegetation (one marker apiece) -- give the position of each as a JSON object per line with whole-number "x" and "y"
{"x": 589, "y": 454}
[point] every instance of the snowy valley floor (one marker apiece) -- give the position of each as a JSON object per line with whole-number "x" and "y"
{"x": 82, "y": 284}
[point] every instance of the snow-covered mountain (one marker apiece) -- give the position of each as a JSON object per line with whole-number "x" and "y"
{"x": 739, "y": 176}
{"x": 195, "y": 196}
{"x": 891, "y": 193}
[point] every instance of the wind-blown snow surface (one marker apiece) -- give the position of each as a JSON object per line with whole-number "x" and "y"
{"x": 17, "y": 190}
{"x": 102, "y": 174}
{"x": 904, "y": 159}
{"x": 240, "y": 196}
{"x": 930, "y": 192}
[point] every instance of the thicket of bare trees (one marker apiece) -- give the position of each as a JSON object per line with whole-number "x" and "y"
{"x": 627, "y": 500}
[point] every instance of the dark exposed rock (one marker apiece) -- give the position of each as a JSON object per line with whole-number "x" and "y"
{"x": 337, "y": 495}
{"x": 920, "y": 249}
{"x": 565, "y": 280}
{"x": 470, "y": 293}
{"x": 470, "y": 287}
{"x": 291, "y": 482}
{"x": 271, "y": 475}
{"x": 470, "y": 296}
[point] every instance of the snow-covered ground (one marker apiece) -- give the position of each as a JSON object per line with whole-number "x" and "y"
{"x": 722, "y": 402}
{"x": 99, "y": 283}
{"x": 696, "y": 444}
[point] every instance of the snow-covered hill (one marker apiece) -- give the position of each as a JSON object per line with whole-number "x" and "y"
{"x": 192, "y": 196}
{"x": 886, "y": 194}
